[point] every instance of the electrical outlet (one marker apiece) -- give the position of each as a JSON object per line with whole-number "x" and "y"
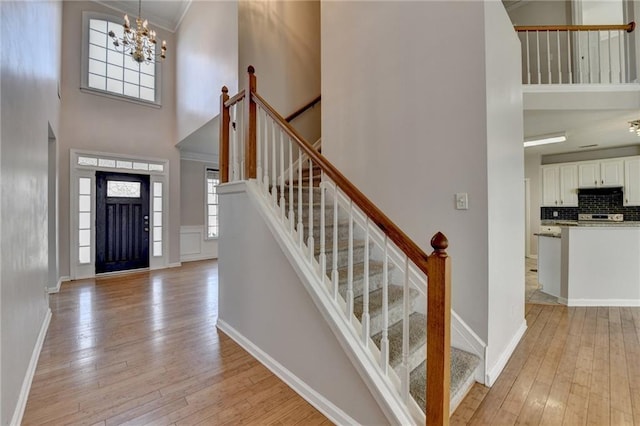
{"x": 462, "y": 201}
{"x": 555, "y": 214}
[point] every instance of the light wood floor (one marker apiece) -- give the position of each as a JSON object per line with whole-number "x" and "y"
{"x": 144, "y": 349}
{"x": 574, "y": 366}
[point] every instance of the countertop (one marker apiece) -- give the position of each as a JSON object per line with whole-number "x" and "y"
{"x": 562, "y": 223}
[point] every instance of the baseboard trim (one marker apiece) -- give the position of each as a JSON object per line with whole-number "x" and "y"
{"x": 195, "y": 258}
{"x": 174, "y": 265}
{"x": 603, "y": 302}
{"x": 31, "y": 371}
{"x": 56, "y": 289}
{"x": 493, "y": 374}
{"x": 326, "y": 407}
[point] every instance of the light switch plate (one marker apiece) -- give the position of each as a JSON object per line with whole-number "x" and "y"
{"x": 462, "y": 201}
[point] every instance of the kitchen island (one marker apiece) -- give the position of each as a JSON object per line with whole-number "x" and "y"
{"x": 599, "y": 264}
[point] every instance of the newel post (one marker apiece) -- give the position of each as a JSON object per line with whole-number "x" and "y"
{"x": 251, "y": 126}
{"x": 438, "y": 332}
{"x": 223, "y": 145}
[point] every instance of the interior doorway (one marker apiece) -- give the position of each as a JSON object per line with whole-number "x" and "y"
{"x": 52, "y": 212}
{"x": 122, "y": 221}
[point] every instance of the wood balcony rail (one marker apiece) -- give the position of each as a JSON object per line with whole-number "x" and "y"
{"x": 576, "y": 54}
{"x": 624, "y": 27}
{"x": 436, "y": 266}
{"x": 289, "y": 118}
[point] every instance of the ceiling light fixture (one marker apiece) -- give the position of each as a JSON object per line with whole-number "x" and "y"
{"x": 634, "y": 126}
{"x": 546, "y": 139}
{"x": 139, "y": 42}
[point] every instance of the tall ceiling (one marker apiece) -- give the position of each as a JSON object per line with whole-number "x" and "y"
{"x": 165, "y": 14}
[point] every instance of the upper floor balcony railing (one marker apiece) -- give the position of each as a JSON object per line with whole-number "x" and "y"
{"x": 577, "y": 54}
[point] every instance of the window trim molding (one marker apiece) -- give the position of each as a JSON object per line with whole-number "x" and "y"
{"x": 206, "y": 204}
{"x": 84, "y": 62}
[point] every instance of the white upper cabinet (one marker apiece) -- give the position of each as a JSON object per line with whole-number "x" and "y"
{"x": 594, "y": 174}
{"x": 612, "y": 172}
{"x": 550, "y": 186}
{"x": 559, "y": 185}
{"x": 632, "y": 181}
{"x": 588, "y": 174}
{"x": 569, "y": 185}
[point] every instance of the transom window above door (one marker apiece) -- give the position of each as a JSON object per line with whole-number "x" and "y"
{"x": 108, "y": 70}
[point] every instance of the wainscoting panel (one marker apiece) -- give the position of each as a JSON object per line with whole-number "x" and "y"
{"x": 193, "y": 246}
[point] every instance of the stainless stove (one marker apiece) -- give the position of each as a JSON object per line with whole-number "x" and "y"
{"x": 601, "y": 217}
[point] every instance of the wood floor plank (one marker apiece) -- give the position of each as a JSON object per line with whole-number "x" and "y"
{"x": 143, "y": 349}
{"x": 632, "y": 351}
{"x": 621, "y": 411}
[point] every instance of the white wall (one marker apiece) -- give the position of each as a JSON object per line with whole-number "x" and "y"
{"x": 281, "y": 39}
{"x": 265, "y": 302}
{"x": 30, "y": 72}
{"x": 97, "y": 123}
{"x": 532, "y": 171}
{"x": 404, "y": 117}
{"x": 542, "y": 12}
{"x": 505, "y": 178}
{"x": 207, "y": 58}
{"x": 193, "y": 245}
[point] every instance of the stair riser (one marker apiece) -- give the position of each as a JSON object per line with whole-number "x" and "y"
{"x": 395, "y": 315}
{"x": 343, "y": 255}
{"x": 416, "y": 356}
{"x": 375, "y": 282}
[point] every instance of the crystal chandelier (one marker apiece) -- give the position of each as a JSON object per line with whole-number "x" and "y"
{"x": 139, "y": 42}
{"x": 634, "y": 126}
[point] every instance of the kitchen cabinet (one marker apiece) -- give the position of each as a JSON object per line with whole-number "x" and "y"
{"x": 595, "y": 174}
{"x": 559, "y": 185}
{"x": 632, "y": 181}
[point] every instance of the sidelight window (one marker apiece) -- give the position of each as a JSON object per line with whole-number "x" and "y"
{"x": 84, "y": 220}
{"x": 212, "y": 181}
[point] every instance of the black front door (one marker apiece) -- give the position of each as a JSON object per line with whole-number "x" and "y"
{"x": 122, "y": 221}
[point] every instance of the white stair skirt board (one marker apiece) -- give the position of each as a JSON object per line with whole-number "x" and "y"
{"x": 380, "y": 388}
{"x": 463, "y": 337}
{"x": 31, "y": 370}
{"x": 493, "y": 374}
{"x": 333, "y": 413}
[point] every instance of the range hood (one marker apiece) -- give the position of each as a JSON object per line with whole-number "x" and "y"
{"x": 610, "y": 190}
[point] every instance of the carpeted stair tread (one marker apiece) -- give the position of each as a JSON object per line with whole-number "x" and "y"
{"x": 375, "y": 278}
{"x": 463, "y": 365}
{"x": 395, "y": 304}
{"x": 417, "y": 340}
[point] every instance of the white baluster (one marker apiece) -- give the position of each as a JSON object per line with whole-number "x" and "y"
{"x": 234, "y": 148}
{"x": 599, "y": 58}
{"x": 558, "y": 58}
{"x": 265, "y": 136}
{"x": 538, "y": 56}
{"x": 589, "y": 55}
{"x": 282, "y": 199}
{"x": 274, "y": 166}
{"x": 610, "y": 61}
{"x": 310, "y": 239}
{"x": 323, "y": 257}
{"x": 620, "y": 57}
{"x": 569, "y": 56}
{"x": 365, "y": 289}
{"x": 240, "y": 140}
{"x": 549, "y": 59}
{"x": 404, "y": 375}
{"x": 292, "y": 220}
{"x": 528, "y": 59}
{"x": 350, "y": 263}
{"x": 334, "y": 273}
{"x": 300, "y": 224}
{"x": 259, "y": 147}
{"x": 384, "y": 342}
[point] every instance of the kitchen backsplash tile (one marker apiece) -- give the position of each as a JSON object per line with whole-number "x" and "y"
{"x": 592, "y": 203}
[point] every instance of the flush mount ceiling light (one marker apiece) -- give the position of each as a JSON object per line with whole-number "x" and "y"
{"x": 634, "y": 126}
{"x": 139, "y": 42}
{"x": 545, "y": 139}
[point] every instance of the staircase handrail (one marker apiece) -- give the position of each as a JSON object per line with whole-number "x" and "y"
{"x": 626, "y": 27}
{"x": 436, "y": 266}
{"x": 295, "y": 114}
